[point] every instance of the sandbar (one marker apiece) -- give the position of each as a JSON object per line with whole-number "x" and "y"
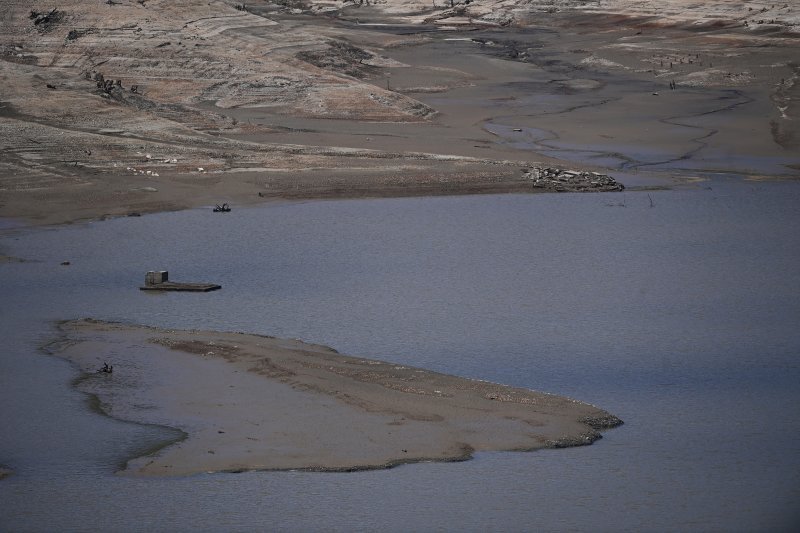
{"x": 249, "y": 402}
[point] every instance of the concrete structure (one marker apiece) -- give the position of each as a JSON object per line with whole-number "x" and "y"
{"x": 158, "y": 280}
{"x": 156, "y": 276}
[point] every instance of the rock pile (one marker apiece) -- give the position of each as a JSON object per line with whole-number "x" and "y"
{"x": 45, "y": 19}
{"x": 560, "y": 180}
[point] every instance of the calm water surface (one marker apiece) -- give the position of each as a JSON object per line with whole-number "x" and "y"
{"x": 680, "y": 318}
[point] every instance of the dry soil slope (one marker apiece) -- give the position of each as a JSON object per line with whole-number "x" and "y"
{"x": 59, "y": 130}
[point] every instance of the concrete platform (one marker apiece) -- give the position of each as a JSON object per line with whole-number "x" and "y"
{"x": 175, "y": 286}
{"x": 158, "y": 280}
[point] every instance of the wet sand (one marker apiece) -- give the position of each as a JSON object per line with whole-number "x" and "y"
{"x": 248, "y": 402}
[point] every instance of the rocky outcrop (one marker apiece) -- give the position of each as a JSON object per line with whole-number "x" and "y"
{"x": 560, "y": 180}
{"x": 602, "y": 422}
{"x": 570, "y": 441}
{"x": 596, "y": 423}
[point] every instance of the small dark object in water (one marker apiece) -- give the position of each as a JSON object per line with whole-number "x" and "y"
{"x": 65, "y": 263}
{"x": 222, "y": 208}
{"x": 107, "y": 369}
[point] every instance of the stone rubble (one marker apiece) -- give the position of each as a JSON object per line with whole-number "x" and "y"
{"x": 560, "y": 180}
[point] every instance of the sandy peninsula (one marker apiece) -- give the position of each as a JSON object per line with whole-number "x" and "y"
{"x": 249, "y": 402}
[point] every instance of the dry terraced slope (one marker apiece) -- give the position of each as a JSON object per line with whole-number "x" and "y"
{"x": 71, "y": 150}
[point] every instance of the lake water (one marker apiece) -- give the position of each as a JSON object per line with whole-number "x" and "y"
{"x": 683, "y": 319}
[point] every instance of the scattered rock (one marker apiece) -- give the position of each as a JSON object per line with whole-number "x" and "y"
{"x": 560, "y": 180}
{"x": 43, "y": 20}
{"x": 571, "y": 441}
{"x": 77, "y": 34}
{"x": 602, "y": 422}
{"x": 341, "y": 57}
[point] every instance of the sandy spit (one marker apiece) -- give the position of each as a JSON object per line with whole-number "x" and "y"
{"x": 249, "y": 402}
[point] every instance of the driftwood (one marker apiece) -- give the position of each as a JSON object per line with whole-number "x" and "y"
{"x": 73, "y": 34}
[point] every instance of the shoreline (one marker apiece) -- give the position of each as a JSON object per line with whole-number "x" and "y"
{"x": 248, "y": 402}
{"x": 40, "y": 217}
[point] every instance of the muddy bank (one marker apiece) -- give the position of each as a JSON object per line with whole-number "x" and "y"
{"x": 248, "y": 402}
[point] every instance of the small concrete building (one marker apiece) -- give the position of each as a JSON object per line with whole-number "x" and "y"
{"x": 158, "y": 280}
{"x": 154, "y": 277}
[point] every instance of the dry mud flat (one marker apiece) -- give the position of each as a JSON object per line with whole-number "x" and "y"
{"x": 248, "y": 402}
{"x": 208, "y": 103}
{"x": 104, "y": 111}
